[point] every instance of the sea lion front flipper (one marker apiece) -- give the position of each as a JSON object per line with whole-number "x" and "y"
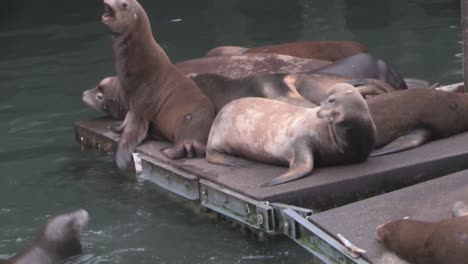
{"x": 301, "y": 166}
{"x": 369, "y": 88}
{"x": 216, "y": 157}
{"x": 134, "y": 133}
{"x": 413, "y": 139}
{"x": 117, "y": 127}
{"x": 459, "y": 209}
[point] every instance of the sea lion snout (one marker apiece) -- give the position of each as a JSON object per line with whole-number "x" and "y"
{"x": 81, "y": 219}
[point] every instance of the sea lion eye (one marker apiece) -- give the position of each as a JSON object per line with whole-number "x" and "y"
{"x": 99, "y": 96}
{"x": 331, "y": 100}
{"x": 124, "y": 4}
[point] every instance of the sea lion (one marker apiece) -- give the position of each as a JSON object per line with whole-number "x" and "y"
{"x": 58, "y": 240}
{"x": 422, "y": 242}
{"x": 108, "y": 96}
{"x": 288, "y": 88}
{"x": 155, "y": 89}
{"x": 408, "y": 118}
{"x": 340, "y": 131}
{"x": 366, "y": 65}
{"x": 241, "y": 66}
{"x": 320, "y": 50}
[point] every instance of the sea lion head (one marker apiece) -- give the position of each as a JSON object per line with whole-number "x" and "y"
{"x": 341, "y": 96}
{"x": 108, "y": 97}
{"x": 60, "y": 237}
{"x": 120, "y": 15}
{"x": 351, "y": 126}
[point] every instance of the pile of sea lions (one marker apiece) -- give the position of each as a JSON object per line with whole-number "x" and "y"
{"x": 302, "y": 104}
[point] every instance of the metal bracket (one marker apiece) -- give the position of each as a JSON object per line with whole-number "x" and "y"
{"x": 315, "y": 240}
{"x": 259, "y": 215}
{"x": 170, "y": 178}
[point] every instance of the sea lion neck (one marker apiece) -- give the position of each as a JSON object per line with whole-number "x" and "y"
{"x": 137, "y": 53}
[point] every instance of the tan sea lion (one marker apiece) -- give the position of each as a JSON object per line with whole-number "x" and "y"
{"x": 108, "y": 96}
{"x": 340, "y": 131}
{"x": 422, "y": 242}
{"x": 58, "y": 240}
{"x": 320, "y": 50}
{"x": 156, "y": 90}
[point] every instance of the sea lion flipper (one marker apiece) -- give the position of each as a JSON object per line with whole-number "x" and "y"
{"x": 217, "y": 157}
{"x": 413, "y": 139}
{"x": 301, "y": 166}
{"x": 117, "y": 127}
{"x": 134, "y": 133}
{"x": 459, "y": 209}
{"x": 185, "y": 149}
{"x": 368, "y": 87}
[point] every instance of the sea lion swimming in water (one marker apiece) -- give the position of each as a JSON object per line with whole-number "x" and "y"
{"x": 58, "y": 240}
{"x": 422, "y": 242}
{"x": 155, "y": 89}
{"x": 340, "y": 131}
{"x": 320, "y": 50}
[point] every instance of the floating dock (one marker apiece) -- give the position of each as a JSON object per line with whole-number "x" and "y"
{"x": 349, "y": 200}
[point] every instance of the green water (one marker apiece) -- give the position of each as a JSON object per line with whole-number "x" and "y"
{"x": 50, "y": 51}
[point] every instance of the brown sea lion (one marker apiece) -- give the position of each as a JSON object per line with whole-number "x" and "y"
{"x": 340, "y": 131}
{"x": 156, "y": 90}
{"x": 58, "y": 240}
{"x": 108, "y": 96}
{"x": 320, "y": 50}
{"x": 241, "y": 66}
{"x": 409, "y": 119}
{"x": 422, "y": 242}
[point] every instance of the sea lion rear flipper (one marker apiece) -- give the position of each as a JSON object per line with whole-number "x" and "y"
{"x": 411, "y": 140}
{"x": 216, "y": 157}
{"x": 301, "y": 166}
{"x": 134, "y": 133}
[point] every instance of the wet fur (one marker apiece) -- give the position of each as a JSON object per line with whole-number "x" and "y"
{"x": 156, "y": 90}
{"x": 422, "y": 242}
{"x": 58, "y": 240}
{"x": 283, "y": 134}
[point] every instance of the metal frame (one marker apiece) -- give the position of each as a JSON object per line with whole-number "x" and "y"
{"x": 262, "y": 216}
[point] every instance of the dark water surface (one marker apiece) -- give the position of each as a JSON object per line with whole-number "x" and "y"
{"x": 50, "y": 51}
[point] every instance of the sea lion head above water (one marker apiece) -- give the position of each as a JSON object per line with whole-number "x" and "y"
{"x": 58, "y": 240}
{"x": 119, "y": 13}
{"x": 108, "y": 97}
